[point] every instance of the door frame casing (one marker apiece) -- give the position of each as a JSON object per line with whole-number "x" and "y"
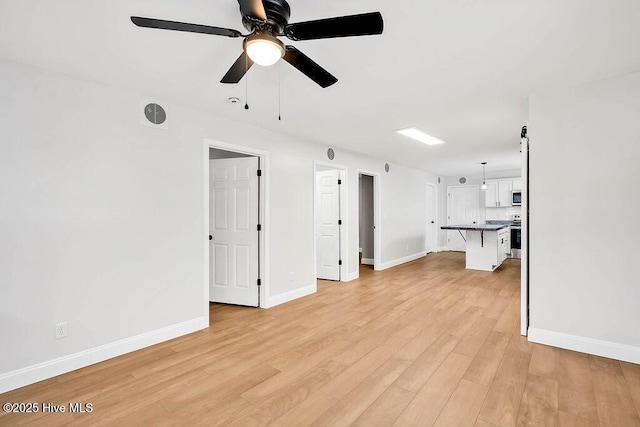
{"x": 263, "y": 216}
{"x": 435, "y": 209}
{"x": 524, "y": 261}
{"x": 377, "y": 246}
{"x": 343, "y": 230}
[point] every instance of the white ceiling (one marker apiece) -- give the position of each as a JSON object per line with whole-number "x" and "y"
{"x": 461, "y": 70}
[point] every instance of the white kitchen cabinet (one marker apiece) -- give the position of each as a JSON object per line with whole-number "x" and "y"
{"x": 486, "y": 250}
{"x": 516, "y": 183}
{"x": 503, "y": 246}
{"x": 498, "y": 193}
{"x": 491, "y": 194}
{"x": 504, "y": 192}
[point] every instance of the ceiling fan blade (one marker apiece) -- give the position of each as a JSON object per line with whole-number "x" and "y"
{"x": 238, "y": 69}
{"x": 344, "y": 26}
{"x": 183, "y": 26}
{"x": 308, "y": 67}
{"x": 253, "y": 9}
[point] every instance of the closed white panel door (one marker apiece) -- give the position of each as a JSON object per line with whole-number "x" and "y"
{"x": 233, "y": 222}
{"x": 462, "y": 210}
{"x": 431, "y": 232}
{"x": 327, "y": 228}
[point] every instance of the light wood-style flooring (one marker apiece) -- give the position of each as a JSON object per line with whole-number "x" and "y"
{"x": 425, "y": 343}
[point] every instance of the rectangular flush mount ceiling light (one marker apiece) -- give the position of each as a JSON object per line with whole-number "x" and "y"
{"x": 418, "y": 135}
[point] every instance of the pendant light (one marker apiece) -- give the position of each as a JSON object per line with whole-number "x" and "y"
{"x": 484, "y": 182}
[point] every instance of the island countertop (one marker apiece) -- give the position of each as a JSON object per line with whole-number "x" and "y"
{"x": 476, "y": 227}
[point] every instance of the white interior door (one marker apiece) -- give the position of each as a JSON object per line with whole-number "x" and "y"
{"x": 327, "y": 227}
{"x": 233, "y": 222}
{"x": 462, "y": 210}
{"x": 431, "y": 243}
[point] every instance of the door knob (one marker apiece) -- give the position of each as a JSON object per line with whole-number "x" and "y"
{"x": 210, "y": 237}
{"x": 433, "y": 222}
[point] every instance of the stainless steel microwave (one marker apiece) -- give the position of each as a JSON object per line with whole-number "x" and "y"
{"x": 516, "y": 198}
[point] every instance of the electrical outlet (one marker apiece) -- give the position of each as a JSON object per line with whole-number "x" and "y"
{"x": 291, "y": 276}
{"x": 61, "y": 330}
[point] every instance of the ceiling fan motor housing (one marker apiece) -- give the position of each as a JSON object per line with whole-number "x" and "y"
{"x": 278, "y": 14}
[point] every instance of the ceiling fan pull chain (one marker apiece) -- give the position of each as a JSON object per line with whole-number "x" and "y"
{"x": 246, "y": 82}
{"x": 279, "y": 90}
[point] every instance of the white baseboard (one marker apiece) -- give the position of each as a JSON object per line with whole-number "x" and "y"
{"x": 291, "y": 295}
{"x": 351, "y": 276}
{"x": 399, "y": 261}
{"x": 602, "y": 348}
{"x": 42, "y": 371}
{"x": 367, "y": 261}
{"x": 442, "y": 249}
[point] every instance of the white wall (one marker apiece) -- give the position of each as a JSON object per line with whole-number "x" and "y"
{"x": 102, "y": 219}
{"x": 584, "y": 200}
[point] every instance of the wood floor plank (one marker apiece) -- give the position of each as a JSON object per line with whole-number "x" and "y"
{"x": 416, "y": 375}
{"x": 350, "y": 378}
{"x": 502, "y": 405}
{"x": 496, "y": 308}
{"x": 347, "y": 410}
{"x": 286, "y": 398}
{"x": 386, "y": 409}
{"x": 284, "y": 379}
{"x": 379, "y": 350}
{"x": 486, "y": 362}
{"x": 466, "y": 321}
{"x": 463, "y": 406}
{"x": 507, "y": 321}
{"x": 545, "y": 362}
{"x": 576, "y": 394}
{"x": 613, "y": 398}
{"x": 632, "y": 377}
{"x": 570, "y": 420}
{"x": 475, "y": 337}
{"x": 307, "y": 412}
{"x": 603, "y": 364}
{"x": 539, "y": 405}
{"x": 429, "y": 401}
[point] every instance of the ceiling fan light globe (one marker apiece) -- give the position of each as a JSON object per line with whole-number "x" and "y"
{"x": 264, "y": 51}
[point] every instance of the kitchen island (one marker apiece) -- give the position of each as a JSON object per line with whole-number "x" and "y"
{"x": 487, "y": 245}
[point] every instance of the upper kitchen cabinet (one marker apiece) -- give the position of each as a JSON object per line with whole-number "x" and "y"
{"x": 491, "y": 194}
{"x": 498, "y": 193}
{"x": 517, "y": 184}
{"x": 504, "y": 192}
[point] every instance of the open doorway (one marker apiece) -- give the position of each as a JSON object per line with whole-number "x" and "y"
{"x": 329, "y": 223}
{"x": 366, "y": 226}
{"x": 235, "y": 181}
{"x": 368, "y": 229}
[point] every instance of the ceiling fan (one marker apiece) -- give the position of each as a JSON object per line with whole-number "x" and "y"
{"x": 269, "y": 19}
